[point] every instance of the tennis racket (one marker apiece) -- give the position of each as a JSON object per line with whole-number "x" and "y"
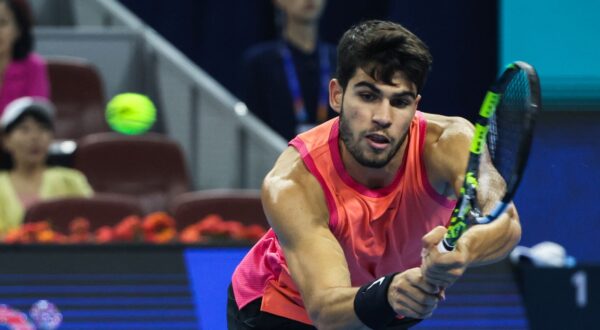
{"x": 505, "y": 125}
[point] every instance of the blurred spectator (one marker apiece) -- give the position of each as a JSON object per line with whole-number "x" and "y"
{"x": 27, "y": 131}
{"x": 22, "y": 72}
{"x": 285, "y": 82}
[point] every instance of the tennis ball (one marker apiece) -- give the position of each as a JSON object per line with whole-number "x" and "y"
{"x": 130, "y": 113}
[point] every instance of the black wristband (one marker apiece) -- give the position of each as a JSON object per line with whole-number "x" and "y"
{"x": 371, "y": 303}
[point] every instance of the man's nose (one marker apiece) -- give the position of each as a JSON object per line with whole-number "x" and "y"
{"x": 382, "y": 115}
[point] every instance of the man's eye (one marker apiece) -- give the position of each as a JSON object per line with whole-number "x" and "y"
{"x": 402, "y": 103}
{"x": 367, "y": 97}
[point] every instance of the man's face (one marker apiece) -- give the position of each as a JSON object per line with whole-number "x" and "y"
{"x": 375, "y": 117}
{"x": 306, "y": 11}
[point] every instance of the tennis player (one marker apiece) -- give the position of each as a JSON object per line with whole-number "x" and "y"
{"x": 358, "y": 204}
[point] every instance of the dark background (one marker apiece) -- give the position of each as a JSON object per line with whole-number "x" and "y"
{"x": 462, "y": 38}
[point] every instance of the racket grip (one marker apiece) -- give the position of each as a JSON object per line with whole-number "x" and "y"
{"x": 443, "y": 247}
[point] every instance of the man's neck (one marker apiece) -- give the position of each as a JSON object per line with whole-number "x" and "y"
{"x": 302, "y": 35}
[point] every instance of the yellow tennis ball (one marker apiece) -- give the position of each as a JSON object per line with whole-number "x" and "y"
{"x": 130, "y": 113}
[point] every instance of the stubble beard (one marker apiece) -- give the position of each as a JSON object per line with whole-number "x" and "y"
{"x": 360, "y": 154}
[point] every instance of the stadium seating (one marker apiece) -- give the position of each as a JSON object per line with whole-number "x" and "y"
{"x": 150, "y": 167}
{"x": 243, "y": 205}
{"x": 77, "y": 92}
{"x": 100, "y": 210}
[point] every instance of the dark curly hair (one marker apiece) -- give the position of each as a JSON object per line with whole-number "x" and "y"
{"x": 381, "y": 49}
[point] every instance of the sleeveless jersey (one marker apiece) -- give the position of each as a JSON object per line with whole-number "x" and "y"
{"x": 380, "y": 230}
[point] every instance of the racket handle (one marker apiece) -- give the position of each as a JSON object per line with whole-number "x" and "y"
{"x": 443, "y": 247}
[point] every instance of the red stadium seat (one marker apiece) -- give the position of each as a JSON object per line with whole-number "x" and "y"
{"x": 78, "y": 94}
{"x": 150, "y": 167}
{"x": 231, "y": 204}
{"x": 100, "y": 210}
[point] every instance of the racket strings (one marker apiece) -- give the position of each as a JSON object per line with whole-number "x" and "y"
{"x": 508, "y": 126}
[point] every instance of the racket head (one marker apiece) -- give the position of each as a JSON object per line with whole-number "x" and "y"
{"x": 510, "y": 128}
{"x": 505, "y": 126}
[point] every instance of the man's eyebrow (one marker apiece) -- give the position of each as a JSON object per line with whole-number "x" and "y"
{"x": 368, "y": 85}
{"x": 406, "y": 93}
{"x": 376, "y": 90}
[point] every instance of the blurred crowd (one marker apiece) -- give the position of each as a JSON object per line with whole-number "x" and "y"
{"x": 60, "y": 163}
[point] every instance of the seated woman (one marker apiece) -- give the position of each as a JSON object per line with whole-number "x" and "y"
{"x": 22, "y": 72}
{"x": 26, "y": 129}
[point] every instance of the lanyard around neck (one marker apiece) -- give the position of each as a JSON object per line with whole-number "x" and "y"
{"x": 294, "y": 84}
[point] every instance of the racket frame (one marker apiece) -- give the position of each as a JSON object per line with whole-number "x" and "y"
{"x": 467, "y": 211}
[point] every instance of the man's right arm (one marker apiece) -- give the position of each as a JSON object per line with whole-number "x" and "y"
{"x": 295, "y": 206}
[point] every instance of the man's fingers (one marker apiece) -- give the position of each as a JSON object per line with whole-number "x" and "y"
{"x": 411, "y": 296}
{"x": 442, "y": 283}
{"x": 443, "y": 264}
{"x": 417, "y": 305}
{"x": 442, "y": 278}
{"x": 426, "y": 287}
{"x": 432, "y": 238}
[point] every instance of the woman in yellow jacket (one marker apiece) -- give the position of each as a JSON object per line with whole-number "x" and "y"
{"x": 27, "y": 131}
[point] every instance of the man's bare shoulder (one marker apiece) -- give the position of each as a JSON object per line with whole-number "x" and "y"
{"x": 443, "y": 128}
{"x": 289, "y": 172}
{"x": 289, "y": 185}
{"x": 445, "y": 131}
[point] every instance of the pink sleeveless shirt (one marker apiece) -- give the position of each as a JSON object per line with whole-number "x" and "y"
{"x": 380, "y": 230}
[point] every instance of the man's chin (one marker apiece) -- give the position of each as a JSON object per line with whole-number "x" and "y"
{"x": 372, "y": 162}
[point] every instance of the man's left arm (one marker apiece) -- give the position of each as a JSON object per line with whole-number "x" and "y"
{"x": 480, "y": 244}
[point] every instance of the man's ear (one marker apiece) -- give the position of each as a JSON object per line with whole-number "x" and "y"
{"x": 417, "y": 101}
{"x": 336, "y": 93}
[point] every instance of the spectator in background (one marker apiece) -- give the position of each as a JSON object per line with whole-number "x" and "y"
{"x": 22, "y": 72}
{"x": 285, "y": 82}
{"x": 27, "y": 130}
